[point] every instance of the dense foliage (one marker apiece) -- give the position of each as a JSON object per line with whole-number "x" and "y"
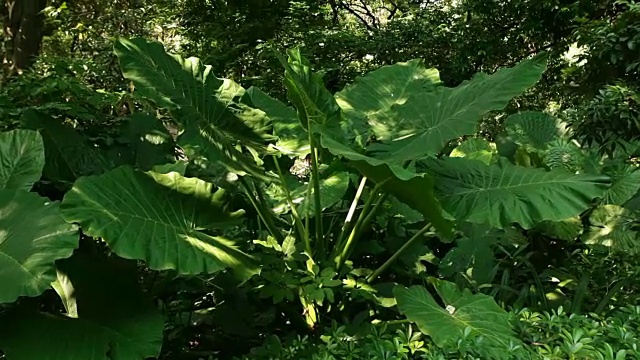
{"x": 325, "y": 180}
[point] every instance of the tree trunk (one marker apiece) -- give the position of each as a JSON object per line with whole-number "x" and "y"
{"x": 23, "y": 30}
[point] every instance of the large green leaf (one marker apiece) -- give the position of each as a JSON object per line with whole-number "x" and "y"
{"x": 21, "y": 159}
{"x": 534, "y": 128}
{"x": 503, "y": 194}
{"x": 33, "y": 236}
{"x": 293, "y": 139}
{"x": 318, "y": 110}
{"x": 306, "y": 91}
{"x": 159, "y": 218}
{"x": 210, "y": 109}
{"x": 625, "y": 184}
{"x": 615, "y": 227}
{"x": 567, "y": 229}
{"x": 475, "y": 148}
{"x": 370, "y": 98}
{"x": 115, "y": 320}
{"x": 462, "y": 310}
{"x": 473, "y": 255}
{"x": 426, "y": 121}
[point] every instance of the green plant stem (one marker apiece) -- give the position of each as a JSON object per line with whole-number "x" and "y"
{"x": 397, "y": 254}
{"x": 263, "y": 212}
{"x": 355, "y": 232}
{"x": 302, "y": 231}
{"x": 349, "y": 219}
{"x": 375, "y": 208}
{"x": 315, "y": 180}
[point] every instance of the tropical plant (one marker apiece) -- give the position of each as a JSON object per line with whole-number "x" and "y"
{"x": 387, "y": 133}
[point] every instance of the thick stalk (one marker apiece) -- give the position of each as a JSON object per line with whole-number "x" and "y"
{"x": 397, "y": 254}
{"x": 315, "y": 180}
{"x": 302, "y": 231}
{"x": 263, "y": 213}
{"x": 376, "y": 206}
{"x": 348, "y": 221}
{"x": 355, "y": 232}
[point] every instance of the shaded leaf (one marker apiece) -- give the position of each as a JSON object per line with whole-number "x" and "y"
{"x": 115, "y": 320}
{"x": 293, "y": 139}
{"x": 369, "y": 99}
{"x": 534, "y": 128}
{"x": 209, "y": 108}
{"x": 503, "y": 194}
{"x": 21, "y": 159}
{"x": 68, "y": 154}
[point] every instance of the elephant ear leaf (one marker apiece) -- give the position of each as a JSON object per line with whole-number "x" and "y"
{"x": 426, "y": 121}
{"x": 210, "y": 109}
{"x": 33, "y": 235}
{"x": 477, "y": 313}
{"x": 503, "y": 194}
{"x": 164, "y": 219}
{"x": 22, "y": 154}
{"x": 615, "y": 227}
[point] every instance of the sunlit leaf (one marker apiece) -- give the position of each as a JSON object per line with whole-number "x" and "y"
{"x": 159, "y": 218}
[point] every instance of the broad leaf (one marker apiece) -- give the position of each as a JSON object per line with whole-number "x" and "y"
{"x": 472, "y": 256}
{"x": 150, "y": 141}
{"x": 21, "y": 159}
{"x": 476, "y": 149}
{"x": 503, "y": 194}
{"x": 158, "y": 218}
{"x": 425, "y": 122}
{"x": 534, "y": 128}
{"x": 306, "y": 91}
{"x": 209, "y": 108}
{"x": 370, "y": 98}
{"x": 33, "y": 236}
{"x": 567, "y": 229}
{"x": 332, "y": 190}
{"x": 625, "y": 184}
{"x": 615, "y": 227}
{"x": 462, "y": 310}
{"x": 293, "y": 139}
{"x": 318, "y": 110}
{"x": 115, "y": 321}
